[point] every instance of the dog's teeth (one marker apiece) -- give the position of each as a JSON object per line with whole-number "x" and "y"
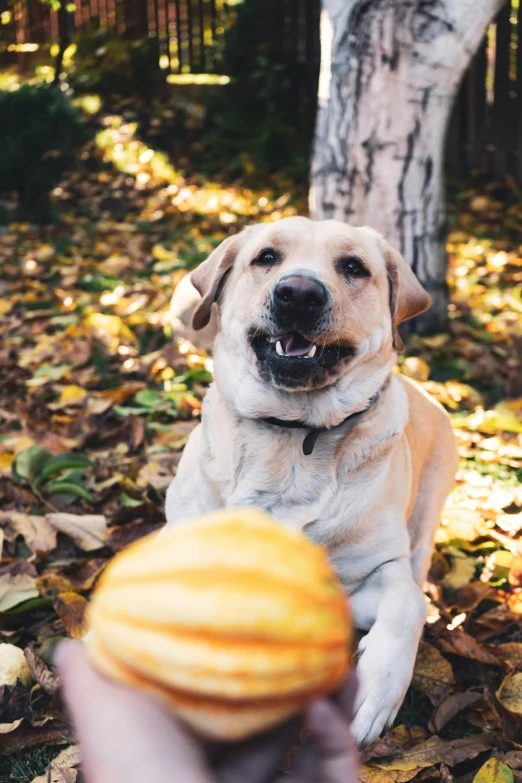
{"x": 311, "y": 352}
{"x": 279, "y": 348}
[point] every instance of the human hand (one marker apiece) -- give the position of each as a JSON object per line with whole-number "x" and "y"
{"x": 127, "y": 737}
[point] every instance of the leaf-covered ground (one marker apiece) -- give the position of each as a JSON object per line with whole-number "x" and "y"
{"x": 97, "y": 399}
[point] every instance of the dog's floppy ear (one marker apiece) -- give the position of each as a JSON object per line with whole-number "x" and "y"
{"x": 209, "y": 276}
{"x": 407, "y": 297}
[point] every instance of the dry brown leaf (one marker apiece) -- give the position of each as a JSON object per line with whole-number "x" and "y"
{"x": 432, "y": 675}
{"x": 434, "y": 751}
{"x": 48, "y": 680}
{"x": 445, "y": 774}
{"x": 452, "y": 706}
{"x": 509, "y": 653}
{"x": 15, "y": 588}
{"x": 460, "y": 643}
{"x": 70, "y": 608}
{"x": 52, "y": 584}
{"x": 508, "y": 703}
{"x": 396, "y": 739}
{"x": 61, "y": 768}
{"x": 26, "y": 736}
{"x": 36, "y": 531}
{"x": 86, "y": 530}
{"x": 59, "y": 775}
{"x": 83, "y": 575}
{"x": 513, "y": 758}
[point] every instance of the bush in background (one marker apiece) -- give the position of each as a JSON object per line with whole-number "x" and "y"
{"x": 41, "y": 136}
{"x": 112, "y": 65}
{"x": 265, "y": 116}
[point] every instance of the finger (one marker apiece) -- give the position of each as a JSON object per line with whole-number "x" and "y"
{"x": 344, "y": 698}
{"x": 125, "y": 736}
{"x": 259, "y": 759}
{"x": 330, "y": 733}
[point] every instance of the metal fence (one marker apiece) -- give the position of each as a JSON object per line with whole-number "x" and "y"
{"x": 485, "y": 132}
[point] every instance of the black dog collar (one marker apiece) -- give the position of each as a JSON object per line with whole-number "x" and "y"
{"x": 309, "y": 441}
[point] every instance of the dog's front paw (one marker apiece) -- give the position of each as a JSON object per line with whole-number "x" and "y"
{"x": 384, "y": 673}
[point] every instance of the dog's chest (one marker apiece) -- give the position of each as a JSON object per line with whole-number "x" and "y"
{"x": 320, "y": 492}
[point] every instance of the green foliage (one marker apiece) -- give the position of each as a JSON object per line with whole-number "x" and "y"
{"x": 113, "y": 65}
{"x": 262, "y": 118}
{"x": 61, "y": 475}
{"x": 41, "y": 135}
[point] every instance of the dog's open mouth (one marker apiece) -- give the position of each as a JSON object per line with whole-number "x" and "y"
{"x": 296, "y": 348}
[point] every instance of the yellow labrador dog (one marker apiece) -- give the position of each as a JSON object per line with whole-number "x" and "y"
{"x": 307, "y": 420}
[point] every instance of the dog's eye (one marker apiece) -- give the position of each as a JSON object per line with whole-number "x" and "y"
{"x": 267, "y": 257}
{"x": 353, "y": 267}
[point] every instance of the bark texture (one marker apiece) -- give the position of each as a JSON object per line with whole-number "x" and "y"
{"x": 390, "y": 70}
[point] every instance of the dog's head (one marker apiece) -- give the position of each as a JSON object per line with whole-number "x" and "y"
{"x": 303, "y": 300}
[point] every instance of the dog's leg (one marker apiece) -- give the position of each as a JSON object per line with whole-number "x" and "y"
{"x": 190, "y": 493}
{"x": 393, "y": 607}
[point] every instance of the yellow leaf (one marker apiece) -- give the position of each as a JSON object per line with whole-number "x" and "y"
{"x": 6, "y": 460}
{"x": 416, "y": 368}
{"x": 161, "y": 253}
{"x": 510, "y": 694}
{"x": 462, "y": 523}
{"x": 494, "y": 771}
{"x": 72, "y": 395}
{"x": 5, "y": 306}
{"x": 490, "y": 422}
{"x": 432, "y": 675}
{"x": 70, "y": 608}
{"x": 461, "y": 572}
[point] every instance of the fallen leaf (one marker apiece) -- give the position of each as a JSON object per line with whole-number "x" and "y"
{"x": 154, "y": 474}
{"x": 515, "y": 572}
{"x": 462, "y": 570}
{"x": 48, "y": 680}
{"x": 15, "y": 704}
{"x": 508, "y": 703}
{"x": 36, "y": 531}
{"x": 435, "y": 750}
{"x": 25, "y": 736}
{"x": 433, "y": 675}
{"x": 70, "y": 608}
{"x": 87, "y": 530}
{"x": 52, "y": 584}
{"x": 493, "y": 771}
{"x": 15, "y": 588}
{"x": 59, "y": 775}
{"x": 82, "y": 576}
{"x": 70, "y": 395}
{"x": 510, "y": 693}
{"x": 452, "y": 706}
{"x": 460, "y": 643}
{"x": 396, "y": 739}
{"x": 510, "y": 653}
{"x": 513, "y": 758}
{"x": 61, "y": 770}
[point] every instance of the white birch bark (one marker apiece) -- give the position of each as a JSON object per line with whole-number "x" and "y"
{"x": 390, "y": 70}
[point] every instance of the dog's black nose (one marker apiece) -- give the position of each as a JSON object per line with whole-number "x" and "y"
{"x": 297, "y": 292}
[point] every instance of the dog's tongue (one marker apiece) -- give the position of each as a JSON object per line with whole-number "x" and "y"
{"x": 295, "y": 345}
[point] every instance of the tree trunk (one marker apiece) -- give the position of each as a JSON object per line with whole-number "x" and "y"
{"x": 390, "y": 70}
{"x": 63, "y": 42}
